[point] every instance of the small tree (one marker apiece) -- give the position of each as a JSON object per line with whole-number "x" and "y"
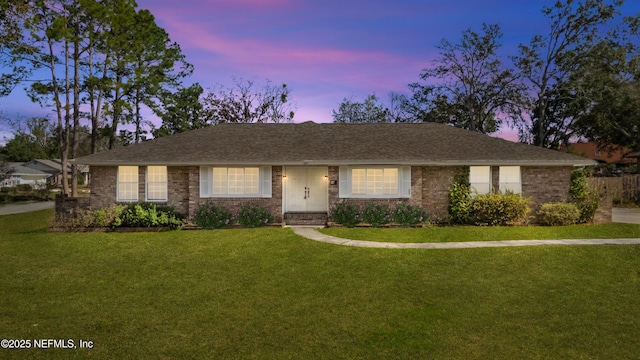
{"x": 584, "y": 195}
{"x": 460, "y": 198}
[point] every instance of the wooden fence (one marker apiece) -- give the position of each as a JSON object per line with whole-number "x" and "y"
{"x": 614, "y": 190}
{"x": 625, "y": 188}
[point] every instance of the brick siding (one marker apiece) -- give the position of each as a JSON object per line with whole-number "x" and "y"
{"x": 546, "y": 184}
{"x": 429, "y": 188}
{"x": 435, "y": 193}
{"x": 104, "y": 180}
{"x": 183, "y": 191}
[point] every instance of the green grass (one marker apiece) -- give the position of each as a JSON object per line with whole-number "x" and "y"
{"x": 477, "y": 233}
{"x": 269, "y": 294}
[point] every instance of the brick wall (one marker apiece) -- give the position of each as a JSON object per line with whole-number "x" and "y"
{"x": 183, "y": 189}
{"x": 103, "y": 186}
{"x": 273, "y": 204}
{"x": 429, "y": 188}
{"x": 178, "y": 187}
{"x": 67, "y": 205}
{"x": 435, "y": 193}
{"x": 546, "y": 184}
{"x": 334, "y": 190}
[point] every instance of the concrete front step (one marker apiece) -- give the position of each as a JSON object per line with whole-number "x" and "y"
{"x": 305, "y": 218}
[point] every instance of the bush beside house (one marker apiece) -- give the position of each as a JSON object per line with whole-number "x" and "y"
{"x": 377, "y": 215}
{"x": 212, "y": 216}
{"x": 134, "y": 215}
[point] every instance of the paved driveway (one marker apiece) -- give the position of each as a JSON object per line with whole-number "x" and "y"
{"x": 629, "y": 216}
{"x": 22, "y": 208}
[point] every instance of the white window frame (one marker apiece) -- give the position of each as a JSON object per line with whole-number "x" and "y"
{"x": 163, "y": 183}
{"x": 403, "y": 182}
{"x": 511, "y": 179}
{"x": 121, "y": 182}
{"x": 480, "y": 179}
{"x": 208, "y": 182}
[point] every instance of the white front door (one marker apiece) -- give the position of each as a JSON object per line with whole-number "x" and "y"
{"x": 305, "y": 189}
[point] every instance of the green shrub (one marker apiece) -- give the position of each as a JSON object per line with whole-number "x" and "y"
{"x": 254, "y": 216}
{"x": 408, "y": 215}
{"x": 500, "y": 209}
{"x": 558, "y": 214}
{"x": 459, "y": 204}
{"x": 77, "y": 220}
{"x": 147, "y": 215}
{"x": 211, "y": 216}
{"x": 376, "y": 215}
{"x": 584, "y": 195}
{"x": 162, "y": 208}
{"x": 346, "y": 214}
{"x": 24, "y": 187}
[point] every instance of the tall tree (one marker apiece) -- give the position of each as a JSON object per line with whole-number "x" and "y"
{"x": 468, "y": 86}
{"x": 157, "y": 64}
{"x": 245, "y": 104}
{"x": 11, "y": 37}
{"x": 32, "y": 139}
{"x": 369, "y": 111}
{"x": 48, "y": 47}
{"x": 182, "y": 111}
{"x": 549, "y": 62}
{"x": 610, "y": 80}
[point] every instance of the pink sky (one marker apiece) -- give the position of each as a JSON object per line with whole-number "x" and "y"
{"x": 326, "y": 50}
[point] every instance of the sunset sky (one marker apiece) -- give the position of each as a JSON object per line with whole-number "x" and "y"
{"x": 326, "y": 50}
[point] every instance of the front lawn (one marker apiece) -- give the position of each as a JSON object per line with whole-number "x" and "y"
{"x": 486, "y": 233}
{"x": 269, "y": 294}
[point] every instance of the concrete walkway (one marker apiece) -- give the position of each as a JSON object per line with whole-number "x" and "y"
{"x": 313, "y": 234}
{"x": 28, "y": 207}
{"x": 626, "y": 215}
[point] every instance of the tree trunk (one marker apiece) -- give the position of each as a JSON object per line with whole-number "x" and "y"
{"x": 76, "y": 109}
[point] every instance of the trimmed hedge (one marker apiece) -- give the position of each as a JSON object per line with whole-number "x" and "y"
{"x": 131, "y": 215}
{"x": 558, "y": 214}
{"x": 500, "y": 209}
{"x": 376, "y": 215}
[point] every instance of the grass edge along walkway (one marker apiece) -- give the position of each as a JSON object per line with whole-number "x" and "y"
{"x": 313, "y": 234}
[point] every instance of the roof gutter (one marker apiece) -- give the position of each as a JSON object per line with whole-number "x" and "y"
{"x": 584, "y": 162}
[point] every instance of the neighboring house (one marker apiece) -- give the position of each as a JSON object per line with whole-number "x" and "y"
{"x": 54, "y": 168}
{"x": 20, "y": 174}
{"x": 308, "y": 168}
{"x": 604, "y": 154}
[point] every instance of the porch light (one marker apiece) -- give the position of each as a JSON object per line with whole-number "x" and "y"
{"x": 326, "y": 177}
{"x": 284, "y": 177}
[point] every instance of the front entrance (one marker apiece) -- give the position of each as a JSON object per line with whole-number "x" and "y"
{"x": 305, "y": 189}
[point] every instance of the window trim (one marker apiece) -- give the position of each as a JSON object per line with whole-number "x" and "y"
{"x": 207, "y": 182}
{"x": 518, "y": 184}
{"x": 489, "y": 181}
{"x": 136, "y": 182}
{"x": 165, "y": 182}
{"x": 346, "y": 182}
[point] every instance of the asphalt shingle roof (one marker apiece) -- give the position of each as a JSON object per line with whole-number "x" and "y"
{"x": 20, "y": 169}
{"x": 331, "y": 144}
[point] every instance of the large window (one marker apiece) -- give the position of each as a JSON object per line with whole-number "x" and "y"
{"x": 480, "y": 179}
{"x": 510, "y": 179}
{"x": 156, "y": 183}
{"x": 127, "y": 188}
{"x": 235, "y": 181}
{"x": 375, "y": 182}
{"x": 383, "y": 181}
